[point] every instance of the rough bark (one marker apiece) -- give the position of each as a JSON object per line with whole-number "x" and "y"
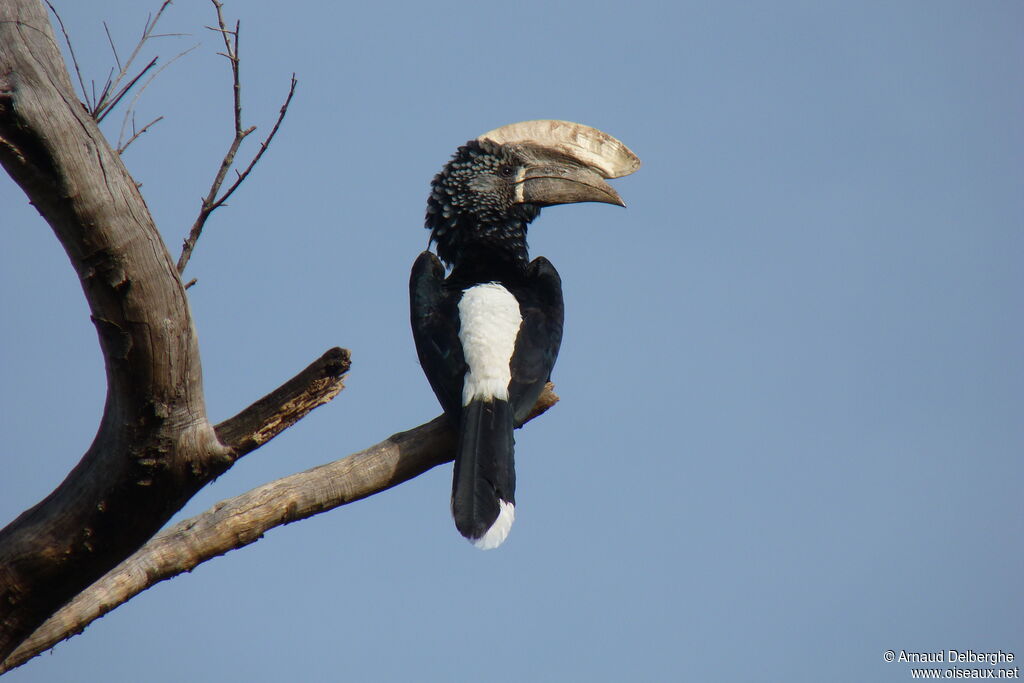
{"x": 155, "y": 446}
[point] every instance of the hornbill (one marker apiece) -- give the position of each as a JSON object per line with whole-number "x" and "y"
{"x": 487, "y": 335}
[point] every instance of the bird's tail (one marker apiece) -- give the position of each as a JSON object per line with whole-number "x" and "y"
{"x": 483, "y": 490}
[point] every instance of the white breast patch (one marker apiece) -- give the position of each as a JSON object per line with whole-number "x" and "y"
{"x": 489, "y": 324}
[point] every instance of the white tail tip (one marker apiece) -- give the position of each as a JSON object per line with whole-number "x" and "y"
{"x": 498, "y": 532}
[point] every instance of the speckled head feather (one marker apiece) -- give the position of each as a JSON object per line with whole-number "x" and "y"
{"x": 472, "y": 204}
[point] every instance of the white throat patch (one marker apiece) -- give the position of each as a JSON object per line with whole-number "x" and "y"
{"x": 489, "y": 324}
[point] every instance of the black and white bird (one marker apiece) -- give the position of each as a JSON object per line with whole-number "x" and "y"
{"x": 487, "y": 335}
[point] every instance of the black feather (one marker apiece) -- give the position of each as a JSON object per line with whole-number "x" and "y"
{"x": 435, "y": 329}
{"x": 484, "y": 467}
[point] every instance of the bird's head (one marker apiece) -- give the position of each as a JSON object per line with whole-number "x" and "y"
{"x": 483, "y": 199}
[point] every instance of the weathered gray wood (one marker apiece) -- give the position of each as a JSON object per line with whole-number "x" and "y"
{"x": 154, "y": 446}
{"x": 266, "y": 418}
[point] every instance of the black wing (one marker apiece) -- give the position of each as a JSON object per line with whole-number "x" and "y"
{"x": 540, "y": 336}
{"x": 435, "y": 329}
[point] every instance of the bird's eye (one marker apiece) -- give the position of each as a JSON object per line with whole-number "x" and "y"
{"x": 506, "y": 171}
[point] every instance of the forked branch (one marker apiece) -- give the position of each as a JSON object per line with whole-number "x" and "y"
{"x": 113, "y": 92}
{"x": 137, "y": 133}
{"x": 242, "y": 520}
{"x": 215, "y": 198}
{"x": 155, "y": 446}
{"x": 176, "y": 550}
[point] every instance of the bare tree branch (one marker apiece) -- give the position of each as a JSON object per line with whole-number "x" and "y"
{"x": 316, "y": 385}
{"x": 242, "y": 520}
{"x": 55, "y": 152}
{"x": 137, "y": 133}
{"x": 100, "y": 106}
{"x": 266, "y": 418}
{"x": 213, "y": 199}
{"x": 108, "y": 101}
{"x": 111, "y": 95}
{"x": 71, "y": 51}
{"x": 113, "y": 48}
{"x": 263, "y": 145}
{"x": 155, "y": 446}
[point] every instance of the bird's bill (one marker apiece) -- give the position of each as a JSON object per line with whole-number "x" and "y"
{"x": 567, "y": 162}
{"x": 551, "y": 184}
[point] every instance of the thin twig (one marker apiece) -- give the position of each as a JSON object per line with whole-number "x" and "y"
{"x": 113, "y": 48}
{"x": 147, "y": 32}
{"x": 108, "y": 105}
{"x": 98, "y": 101}
{"x": 130, "y": 112}
{"x": 263, "y": 145}
{"x": 71, "y": 50}
{"x": 133, "y": 138}
{"x": 111, "y": 93}
{"x": 214, "y": 198}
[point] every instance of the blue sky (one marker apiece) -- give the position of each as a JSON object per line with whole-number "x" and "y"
{"x": 792, "y": 375}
